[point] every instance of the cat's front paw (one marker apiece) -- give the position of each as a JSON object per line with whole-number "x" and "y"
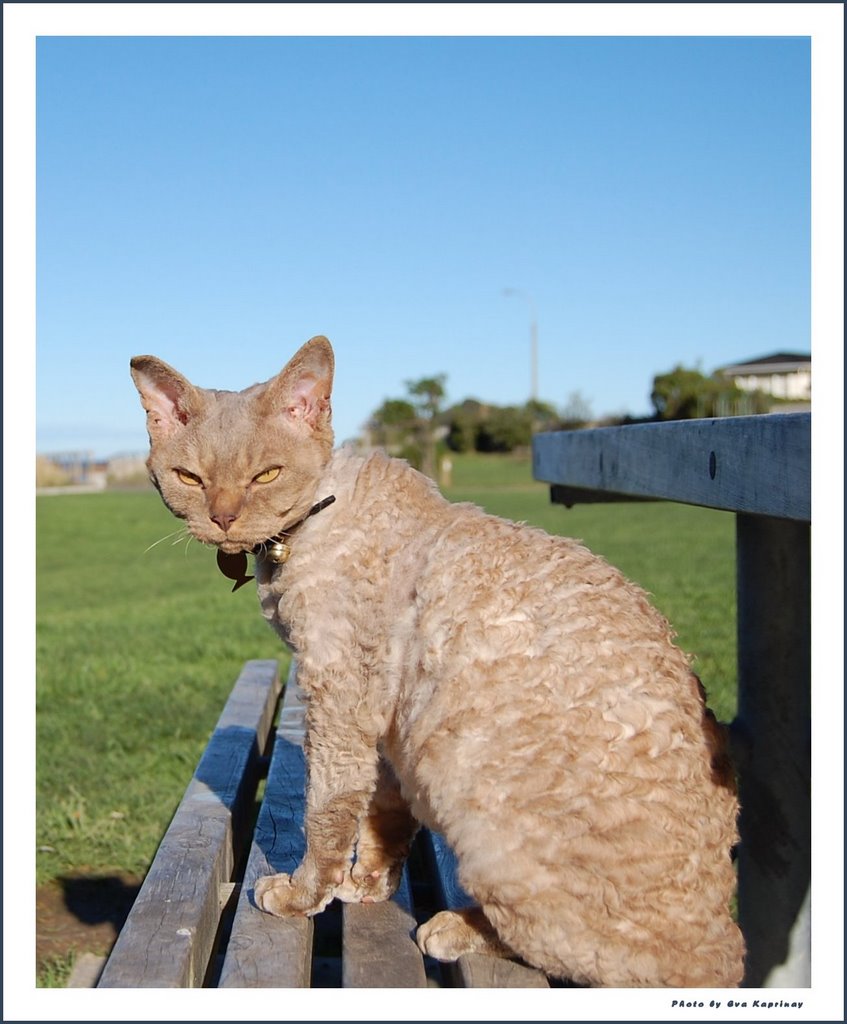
{"x": 362, "y": 885}
{"x": 282, "y": 896}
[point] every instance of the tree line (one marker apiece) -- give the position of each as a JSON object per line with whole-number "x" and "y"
{"x": 416, "y": 426}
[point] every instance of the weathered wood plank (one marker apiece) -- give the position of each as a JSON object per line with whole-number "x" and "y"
{"x": 167, "y": 939}
{"x": 265, "y": 951}
{"x": 444, "y": 865}
{"x": 774, "y": 711}
{"x": 474, "y": 970}
{"x": 379, "y": 948}
{"x": 753, "y": 464}
{"x": 478, "y": 971}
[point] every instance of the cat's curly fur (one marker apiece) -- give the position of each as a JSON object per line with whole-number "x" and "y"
{"x": 506, "y": 688}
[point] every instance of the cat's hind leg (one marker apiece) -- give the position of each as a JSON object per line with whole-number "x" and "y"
{"x": 451, "y": 933}
{"x": 384, "y": 839}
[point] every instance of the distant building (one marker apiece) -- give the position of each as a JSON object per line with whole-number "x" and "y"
{"x": 79, "y": 471}
{"x": 78, "y": 467}
{"x": 130, "y": 468}
{"x": 785, "y": 375}
{"x": 82, "y": 471}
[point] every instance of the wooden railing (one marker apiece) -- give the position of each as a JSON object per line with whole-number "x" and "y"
{"x": 759, "y": 468}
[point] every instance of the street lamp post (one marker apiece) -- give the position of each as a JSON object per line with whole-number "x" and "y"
{"x": 533, "y": 339}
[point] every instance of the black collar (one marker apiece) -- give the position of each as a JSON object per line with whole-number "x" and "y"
{"x": 276, "y": 549}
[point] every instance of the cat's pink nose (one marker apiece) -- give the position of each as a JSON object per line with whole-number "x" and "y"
{"x": 224, "y": 521}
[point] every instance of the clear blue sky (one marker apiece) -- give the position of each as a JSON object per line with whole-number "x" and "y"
{"x": 217, "y": 201}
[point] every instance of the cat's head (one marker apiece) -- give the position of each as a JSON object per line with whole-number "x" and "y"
{"x": 239, "y": 466}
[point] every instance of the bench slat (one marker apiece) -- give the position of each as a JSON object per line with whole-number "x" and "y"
{"x": 379, "y": 948}
{"x": 475, "y": 970}
{"x": 755, "y": 464}
{"x": 167, "y": 939}
{"x": 266, "y": 951}
{"x": 479, "y": 971}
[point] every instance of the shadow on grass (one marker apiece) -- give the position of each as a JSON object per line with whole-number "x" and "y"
{"x": 78, "y": 914}
{"x": 99, "y": 900}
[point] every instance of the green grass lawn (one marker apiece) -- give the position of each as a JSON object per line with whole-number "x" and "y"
{"x": 138, "y": 647}
{"x": 136, "y": 653}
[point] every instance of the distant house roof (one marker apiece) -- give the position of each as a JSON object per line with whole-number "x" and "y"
{"x": 778, "y": 362}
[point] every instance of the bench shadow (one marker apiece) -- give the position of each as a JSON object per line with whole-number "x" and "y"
{"x": 99, "y": 899}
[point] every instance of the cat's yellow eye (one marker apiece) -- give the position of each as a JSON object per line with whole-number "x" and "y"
{"x": 188, "y": 478}
{"x": 267, "y": 475}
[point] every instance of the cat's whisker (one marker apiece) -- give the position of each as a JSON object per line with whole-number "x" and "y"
{"x": 177, "y": 533}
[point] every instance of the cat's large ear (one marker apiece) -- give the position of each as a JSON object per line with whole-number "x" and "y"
{"x": 168, "y": 398}
{"x": 301, "y": 392}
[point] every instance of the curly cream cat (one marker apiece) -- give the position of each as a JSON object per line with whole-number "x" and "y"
{"x": 504, "y": 687}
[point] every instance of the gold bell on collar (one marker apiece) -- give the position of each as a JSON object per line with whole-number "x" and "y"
{"x": 278, "y": 552}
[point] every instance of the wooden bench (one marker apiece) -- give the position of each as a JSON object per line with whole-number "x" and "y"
{"x": 759, "y": 468}
{"x": 194, "y": 923}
